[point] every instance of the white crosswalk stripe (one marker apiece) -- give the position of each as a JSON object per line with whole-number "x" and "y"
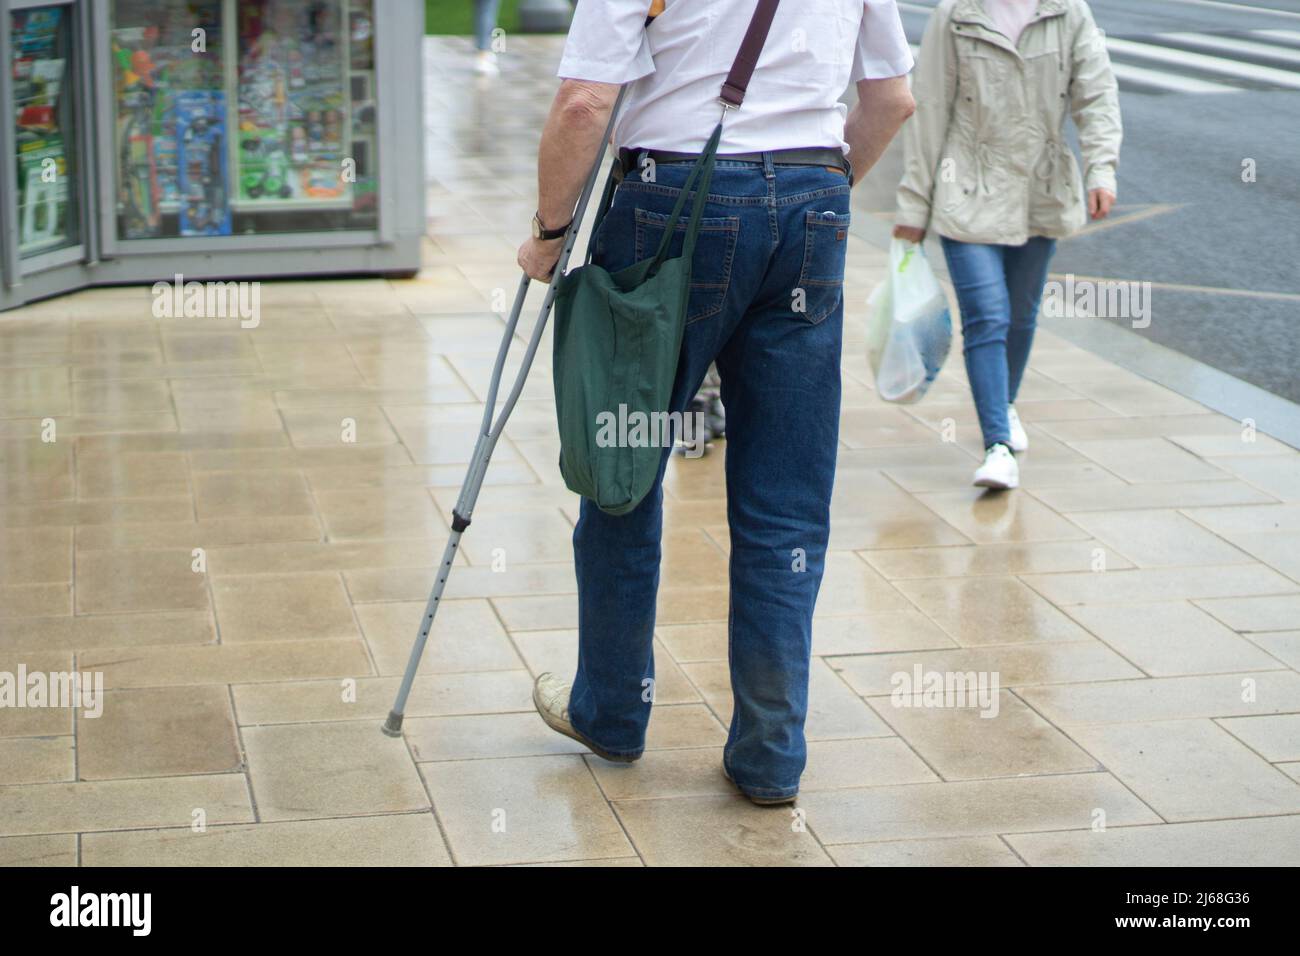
{"x": 1203, "y": 62}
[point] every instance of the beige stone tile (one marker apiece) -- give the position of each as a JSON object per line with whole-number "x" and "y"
{"x": 1190, "y": 769}
{"x": 876, "y": 633}
{"x": 1168, "y": 698}
{"x": 485, "y": 735}
{"x": 466, "y": 636}
{"x": 1014, "y": 665}
{"x": 1159, "y": 538}
{"x": 409, "y": 584}
{"x": 874, "y": 762}
{"x": 851, "y": 586}
{"x": 406, "y": 512}
{"x": 724, "y": 830}
{"x": 111, "y": 397}
{"x": 207, "y": 533}
{"x": 283, "y": 607}
{"x": 97, "y": 512}
{"x": 35, "y": 393}
{"x": 1039, "y": 474}
{"x": 371, "y": 698}
{"x": 1041, "y": 557}
{"x": 53, "y": 850}
{"x": 1278, "y": 476}
{"x": 249, "y": 494}
{"x": 961, "y": 743}
{"x": 991, "y": 518}
{"x": 359, "y": 424}
{"x": 159, "y": 732}
{"x": 1275, "y": 738}
{"x": 1279, "y": 550}
{"x": 1255, "y": 518}
{"x": 1141, "y": 426}
{"x": 959, "y": 851}
{"x": 682, "y": 726}
{"x": 306, "y": 771}
{"x": 694, "y": 642}
{"x": 686, "y": 605}
{"x": 508, "y": 538}
{"x": 34, "y": 600}
{"x": 36, "y": 556}
{"x": 35, "y": 721}
{"x": 1174, "y": 494}
{"x": 1292, "y": 770}
{"x": 124, "y": 804}
{"x": 36, "y": 760}
{"x": 523, "y": 810}
{"x": 109, "y": 581}
{"x": 536, "y": 613}
{"x": 87, "y": 632}
{"x": 1280, "y": 613}
{"x": 228, "y": 663}
{"x": 1242, "y": 444}
{"x": 1284, "y": 645}
{"x": 364, "y": 459}
{"x": 284, "y": 557}
{"x": 989, "y": 610}
{"x": 835, "y": 712}
{"x": 971, "y": 808}
{"x": 1159, "y": 584}
{"x": 663, "y": 773}
{"x": 406, "y": 839}
{"x": 163, "y": 475}
{"x": 1263, "y": 841}
{"x": 1169, "y": 638}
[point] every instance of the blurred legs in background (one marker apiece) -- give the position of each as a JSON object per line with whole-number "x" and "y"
{"x": 485, "y": 21}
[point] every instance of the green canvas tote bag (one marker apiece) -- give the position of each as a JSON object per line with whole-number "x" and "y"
{"x": 618, "y": 336}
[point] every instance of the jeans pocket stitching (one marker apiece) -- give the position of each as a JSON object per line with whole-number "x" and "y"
{"x": 812, "y": 221}
{"x": 730, "y": 225}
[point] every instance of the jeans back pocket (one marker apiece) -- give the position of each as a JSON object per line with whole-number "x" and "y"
{"x": 711, "y": 266}
{"x": 821, "y": 280}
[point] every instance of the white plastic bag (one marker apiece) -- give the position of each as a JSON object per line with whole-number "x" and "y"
{"x": 909, "y": 329}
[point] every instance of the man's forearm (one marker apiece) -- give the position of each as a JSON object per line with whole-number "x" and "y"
{"x": 571, "y": 139}
{"x": 882, "y": 108}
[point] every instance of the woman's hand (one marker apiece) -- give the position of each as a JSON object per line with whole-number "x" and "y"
{"x": 1100, "y": 202}
{"x": 909, "y": 234}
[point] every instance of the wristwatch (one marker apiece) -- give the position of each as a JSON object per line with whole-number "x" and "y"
{"x": 544, "y": 234}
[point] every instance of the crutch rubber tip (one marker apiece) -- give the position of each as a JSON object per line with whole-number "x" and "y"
{"x": 393, "y": 725}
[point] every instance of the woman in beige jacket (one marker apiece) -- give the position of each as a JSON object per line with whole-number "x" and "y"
{"x": 987, "y": 168}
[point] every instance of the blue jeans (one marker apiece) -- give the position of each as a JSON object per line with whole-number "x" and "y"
{"x": 766, "y": 304}
{"x": 485, "y": 21}
{"x": 999, "y": 289}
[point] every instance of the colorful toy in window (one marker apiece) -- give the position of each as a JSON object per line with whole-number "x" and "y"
{"x": 201, "y": 158}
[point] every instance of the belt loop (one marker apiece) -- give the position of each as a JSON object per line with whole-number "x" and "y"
{"x": 769, "y": 168}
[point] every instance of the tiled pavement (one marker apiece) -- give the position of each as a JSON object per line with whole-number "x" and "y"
{"x": 1139, "y": 599}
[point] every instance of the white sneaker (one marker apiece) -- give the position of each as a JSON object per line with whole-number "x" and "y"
{"x": 999, "y": 469}
{"x": 551, "y": 698}
{"x": 1019, "y": 438}
{"x": 486, "y": 63}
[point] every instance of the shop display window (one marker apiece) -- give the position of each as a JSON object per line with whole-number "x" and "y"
{"x": 44, "y": 90}
{"x": 237, "y": 117}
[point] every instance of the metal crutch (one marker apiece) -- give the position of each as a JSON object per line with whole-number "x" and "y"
{"x": 490, "y": 430}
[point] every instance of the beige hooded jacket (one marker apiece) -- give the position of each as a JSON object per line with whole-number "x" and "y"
{"x": 985, "y": 154}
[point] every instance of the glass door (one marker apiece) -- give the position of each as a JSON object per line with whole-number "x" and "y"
{"x": 45, "y": 219}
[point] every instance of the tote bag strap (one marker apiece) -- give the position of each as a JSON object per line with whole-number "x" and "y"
{"x": 733, "y": 95}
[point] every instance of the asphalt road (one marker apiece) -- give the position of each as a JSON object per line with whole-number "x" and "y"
{"x": 1205, "y": 85}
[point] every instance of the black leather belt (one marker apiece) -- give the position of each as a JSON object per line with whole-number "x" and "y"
{"x": 629, "y": 159}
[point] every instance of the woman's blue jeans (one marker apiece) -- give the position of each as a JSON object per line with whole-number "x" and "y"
{"x": 766, "y": 302}
{"x": 999, "y": 289}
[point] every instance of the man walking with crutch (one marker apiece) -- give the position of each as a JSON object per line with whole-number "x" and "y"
{"x": 765, "y": 303}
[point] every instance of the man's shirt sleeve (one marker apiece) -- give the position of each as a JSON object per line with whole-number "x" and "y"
{"x": 882, "y": 50}
{"x": 607, "y": 42}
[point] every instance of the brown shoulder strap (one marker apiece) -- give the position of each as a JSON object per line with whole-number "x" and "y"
{"x": 733, "y": 90}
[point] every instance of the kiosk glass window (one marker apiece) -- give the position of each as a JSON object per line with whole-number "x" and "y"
{"x": 44, "y": 87}
{"x": 238, "y": 117}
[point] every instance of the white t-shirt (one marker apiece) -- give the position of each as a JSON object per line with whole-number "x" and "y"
{"x": 814, "y": 50}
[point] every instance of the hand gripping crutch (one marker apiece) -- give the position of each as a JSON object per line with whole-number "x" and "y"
{"x": 490, "y": 430}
